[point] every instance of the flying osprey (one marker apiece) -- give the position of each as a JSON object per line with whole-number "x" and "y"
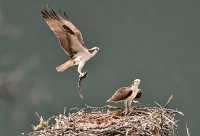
{"x": 71, "y": 41}
{"x": 127, "y": 94}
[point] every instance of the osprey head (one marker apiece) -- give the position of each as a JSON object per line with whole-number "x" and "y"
{"x": 136, "y": 82}
{"x": 94, "y": 50}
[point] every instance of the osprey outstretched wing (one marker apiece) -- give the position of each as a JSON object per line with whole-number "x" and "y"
{"x": 69, "y": 36}
{"x": 71, "y": 41}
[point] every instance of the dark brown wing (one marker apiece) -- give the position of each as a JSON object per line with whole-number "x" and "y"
{"x": 69, "y": 24}
{"x": 121, "y": 94}
{"x": 69, "y": 36}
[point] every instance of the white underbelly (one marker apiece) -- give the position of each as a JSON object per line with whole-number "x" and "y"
{"x": 83, "y": 57}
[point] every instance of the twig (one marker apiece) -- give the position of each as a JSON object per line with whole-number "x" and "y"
{"x": 187, "y": 130}
{"x": 169, "y": 100}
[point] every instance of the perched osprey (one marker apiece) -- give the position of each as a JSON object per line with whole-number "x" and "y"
{"x": 71, "y": 41}
{"x": 127, "y": 94}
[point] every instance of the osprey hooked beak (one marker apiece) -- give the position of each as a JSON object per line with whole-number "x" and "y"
{"x": 94, "y": 50}
{"x": 97, "y": 48}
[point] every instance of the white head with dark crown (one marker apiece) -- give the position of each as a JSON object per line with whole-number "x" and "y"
{"x": 94, "y": 50}
{"x": 136, "y": 82}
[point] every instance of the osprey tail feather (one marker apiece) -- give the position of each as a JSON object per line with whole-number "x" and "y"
{"x": 65, "y": 65}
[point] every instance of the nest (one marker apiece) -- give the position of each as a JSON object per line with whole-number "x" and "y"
{"x": 101, "y": 121}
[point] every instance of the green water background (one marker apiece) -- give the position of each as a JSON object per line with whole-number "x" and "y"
{"x": 156, "y": 41}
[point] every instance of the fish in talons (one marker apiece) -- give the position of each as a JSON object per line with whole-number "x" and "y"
{"x": 81, "y": 78}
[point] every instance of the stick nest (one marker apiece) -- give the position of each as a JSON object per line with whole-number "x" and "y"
{"x": 101, "y": 121}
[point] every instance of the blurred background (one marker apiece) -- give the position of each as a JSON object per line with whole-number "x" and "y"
{"x": 156, "y": 41}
